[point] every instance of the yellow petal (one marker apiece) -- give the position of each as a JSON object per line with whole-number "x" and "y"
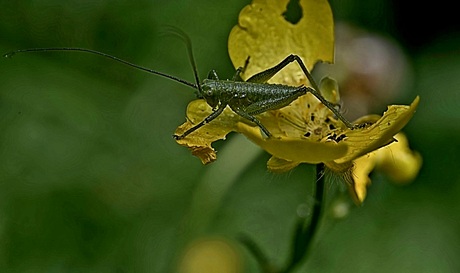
{"x": 279, "y": 165}
{"x": 396, "y": 160}
{"x": 329, "y": 89}
{"x": 292, "y": 149}
{"x": 399, "y": 161}
{"x": 267, "y": 37}
{"x": 199, "y": 141}
{"x": 363, "y": 166}
{"x": 364, "y": 140}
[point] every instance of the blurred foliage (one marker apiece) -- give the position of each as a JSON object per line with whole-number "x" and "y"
{"x": 91, "y": 180}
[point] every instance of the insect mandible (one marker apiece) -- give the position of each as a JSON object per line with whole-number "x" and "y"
{"x": 246, "y": 98}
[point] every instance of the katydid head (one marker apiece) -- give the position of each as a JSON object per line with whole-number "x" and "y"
{"x": 209, "y": 92}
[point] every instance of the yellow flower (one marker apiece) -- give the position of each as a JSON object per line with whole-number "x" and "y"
{"x": 306, "y": 131}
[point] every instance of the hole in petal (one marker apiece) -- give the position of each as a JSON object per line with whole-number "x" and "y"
{"x": 293, "y": 12}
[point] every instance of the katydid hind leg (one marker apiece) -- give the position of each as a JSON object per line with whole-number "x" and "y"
{"x": 266, "y": 75}
{"x": 269, "y": 73}
{"x": 276, "y": 103}
{"x": 317, "y": 94}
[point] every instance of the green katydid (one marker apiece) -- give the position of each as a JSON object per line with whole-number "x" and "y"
{"x": 246, "y": 98}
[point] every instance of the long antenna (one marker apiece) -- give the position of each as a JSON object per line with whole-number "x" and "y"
{"x": 188, "y": 43}
{"x": 12, "y": 53}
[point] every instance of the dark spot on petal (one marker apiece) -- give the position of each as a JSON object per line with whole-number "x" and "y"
{"x": 331, "y": 127}
{"x": 307, "y": 134}
{"x": 363, "y": 125}
{"x": 340, "y": 138}
{"x": 318, "y": 131}
{"x": 332, "y": 136}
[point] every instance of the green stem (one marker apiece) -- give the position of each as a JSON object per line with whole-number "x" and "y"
{"x": 305, "y": 233}
{"x": 303, "y": 237}
{"x": 258, "y": 254}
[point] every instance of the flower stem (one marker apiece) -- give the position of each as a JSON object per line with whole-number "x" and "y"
{"x": 303, "y": 236}
{"x": 306, "y": 231}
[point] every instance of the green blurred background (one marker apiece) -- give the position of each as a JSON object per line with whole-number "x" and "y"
{"x": 92, "y": 181}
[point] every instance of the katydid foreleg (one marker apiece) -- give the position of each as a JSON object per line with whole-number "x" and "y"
{"x": 208, "y": 119}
